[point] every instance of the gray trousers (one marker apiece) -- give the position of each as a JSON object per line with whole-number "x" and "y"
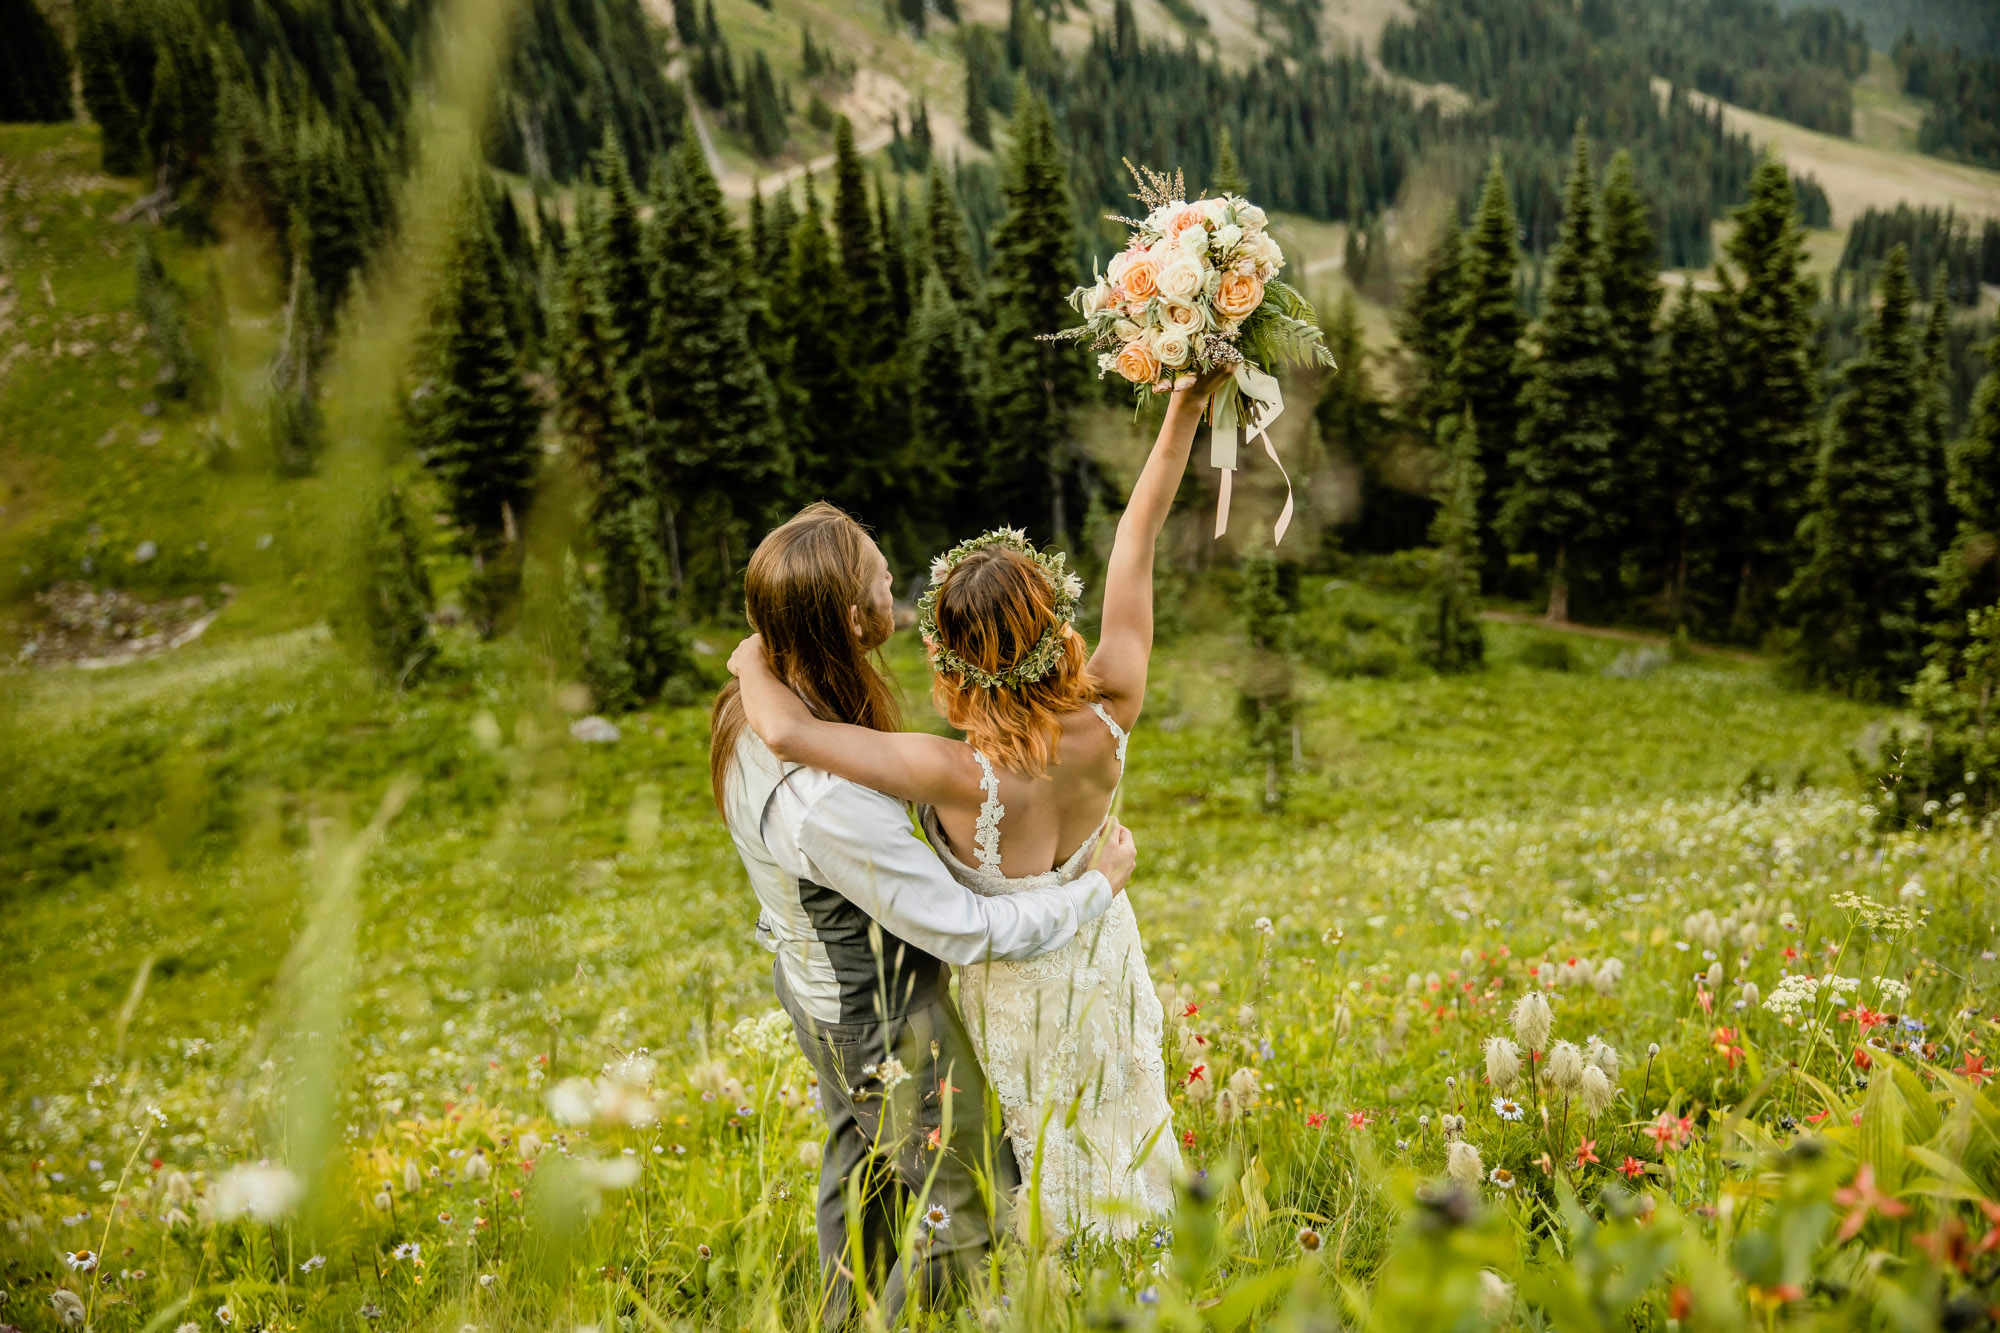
{"x": 898, "y": 1151}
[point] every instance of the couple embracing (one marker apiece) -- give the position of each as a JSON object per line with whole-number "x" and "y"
{"x": 1012, "y": 869}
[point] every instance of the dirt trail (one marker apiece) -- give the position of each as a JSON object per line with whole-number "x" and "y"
{"x": 1618, "y": 635}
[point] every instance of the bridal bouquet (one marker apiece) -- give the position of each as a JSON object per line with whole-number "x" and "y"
{"x": 1197, "y": 290}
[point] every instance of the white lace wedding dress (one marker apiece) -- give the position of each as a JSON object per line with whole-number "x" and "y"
{"x": 1070, "y": 1042}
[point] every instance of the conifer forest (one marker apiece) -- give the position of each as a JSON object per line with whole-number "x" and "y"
{"x": 393, "y": 394}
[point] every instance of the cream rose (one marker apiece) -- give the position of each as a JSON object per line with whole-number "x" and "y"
{"x": 1187, "y": 215}
{"x": 1250, "y": 217}
{"x": 1181, "y": 317}
{"x": 1099, "y": 298}
{"x": 1182, "y": 278}
{"x": 1138, "y": 363}
{"x": 1126, "y": 330}
{"x": 1227, "y": 237}
{"x": 1238, "y": 296}
{"x": 1141, "y": 278}
{"x": 1193, "y": 241}
{"x": 1173, "y": 348}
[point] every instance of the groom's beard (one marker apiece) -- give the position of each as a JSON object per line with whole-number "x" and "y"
{"x": 876, "y": 627}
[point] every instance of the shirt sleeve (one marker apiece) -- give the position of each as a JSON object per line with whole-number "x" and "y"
{"x": 860, "y": 844}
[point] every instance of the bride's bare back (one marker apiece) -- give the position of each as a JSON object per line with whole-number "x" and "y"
{"x": 1047, "y": 818}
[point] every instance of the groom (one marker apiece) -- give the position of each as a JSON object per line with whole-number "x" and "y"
{"x": 863, "y": 919}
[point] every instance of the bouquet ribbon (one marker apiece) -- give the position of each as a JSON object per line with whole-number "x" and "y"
{"x": 1245, "y": 407}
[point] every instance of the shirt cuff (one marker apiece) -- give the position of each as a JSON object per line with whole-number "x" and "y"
{"x": 1091, "y": 893}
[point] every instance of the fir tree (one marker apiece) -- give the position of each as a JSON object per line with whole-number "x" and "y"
{"x": 389, "y": 615}
{"x": 1449, "y": 632}
{"x": 1934, "y": 370}
{"x": 948, "y": 430}
{"x": 1856, "y": 599}
{"x": 944, "y": 242}
{"x": 1429, "y": 325}
{"x": 1565, "y": 478}
{"x": 687, "y": 23}
{"x": 1266, "y": 700}
{"x": 1632, "y": 306}
{"x": 1354, "y": 425}
{"x": 1228, "y": 173}
{"x": 827, "y": 428}
{"x": 1968, "y": 574}
{"x": 294, "y": 394}
{"x": 721, "y": 458}
{"x": 1488, "y": 370}
{"x": 1688, "y": 467}
{"x": 99, "y": 39}
{"x": 1032, "y": 465}
{"x": 859, "y": 241}
{"x": 979, "y": 71}
{"x": 619, "y": 248}
{"x": 1770, "y": 328}
{"x": 34, "y": 67}
{"x": 163, "y": 311}
{"x": 476, "y": 426}
{"x": 763, "y": 114}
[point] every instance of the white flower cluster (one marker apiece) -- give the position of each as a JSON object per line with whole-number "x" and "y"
{"x": 1893, "y": 991}
{"x": 1792, "y": 996}
{"x": 768, "y": 1036}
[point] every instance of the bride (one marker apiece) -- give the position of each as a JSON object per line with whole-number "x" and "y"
{"x": 1070, "y": 1041}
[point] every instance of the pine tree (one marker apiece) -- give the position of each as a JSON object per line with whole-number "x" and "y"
{"x": 99, "y": 37}
{"x": 1449, "y": 632}
{"x": 1354, "y": 425}
{"x": 979, "y": 71}
{"x": 1488, "y": 369}
{"x": 34, "y": 67}
{"x": 163, "y": 311}
{"x": 1429, "y": 325}
{"x": 294, "y": 392}
{"x": 827, "y": 429}
{"x": 389, "y": 612}
{"x": 1688, "y": 469}
{"x": 1032, "y": 466}
{"x": 1968, "y": 574}
{"x": 1228, "y": 173}
{"x": 477, "y": 424}
{"x": 1770, "y": 329}
{"x": 948, "y": 428}
{"x": 860, "y": 245}
{"x": 1632, "y": 306}
{"x": 721, "y": 461}
{"x": 687, "y": 23}
{"x": 619, "y": 247}
{"x": 944, "y": 242}
{"x": 1857, "y": 597}
{"x": 1935, "y": 373}
{"x": 763, "y": 114}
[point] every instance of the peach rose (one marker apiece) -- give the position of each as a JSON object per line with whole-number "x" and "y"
{"x": 1180, "y": 316}
{"x": 1238, "y": 296}
{"x": 1141, "y": 278}
{"x": 1189, "y": 216}
{"x": 1137, "y": 363}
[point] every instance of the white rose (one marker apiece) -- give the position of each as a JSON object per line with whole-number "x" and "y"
{"x": 1163, "y": 252}
{"x": 1182, "y": 278}
{"x": 1115, "y": 270}
{"x": 1266, "y": 252}
{"x": 1215, "y": 210}
{"x": 1099, "y": 299}
{"x": 1251, "y": 216}
{"x": 1180, "y": 317}
{"x": 1126, "y": 330}
{"x": 1194, "y": 241}
{"x": 1226, "y": 238}
{"x": 1172, "y": 347}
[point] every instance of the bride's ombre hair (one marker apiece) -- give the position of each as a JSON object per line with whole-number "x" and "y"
{"x": 806, "y": 584}
{"x": 992, "y": 608}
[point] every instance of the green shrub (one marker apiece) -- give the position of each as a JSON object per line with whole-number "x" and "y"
{"x": 1549, "y": 655}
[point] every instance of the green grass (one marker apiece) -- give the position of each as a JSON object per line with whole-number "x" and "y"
{"x": 542, "y": 908}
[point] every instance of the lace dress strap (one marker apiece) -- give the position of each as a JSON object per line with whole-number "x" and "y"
{"x": 986, "y": 833}
{"x": 1118, "y": 733}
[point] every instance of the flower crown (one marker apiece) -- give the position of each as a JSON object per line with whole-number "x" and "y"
{"x": 1039, "y": 660}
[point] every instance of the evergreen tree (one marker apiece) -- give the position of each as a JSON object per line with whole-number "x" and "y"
{"x": 1770, "y": 330}
{"x": 948, "y": 429}
{"x": 721, "y": 462}
{"x": 1450, "y": 635}
{"x": 1354, "y": 424}
{"x": 944, "y": 242}
{"x": 1968, "y": 574}
{"x": 34, "y": 67}
{"x": 620, "y": 250}
{"x": 1687, "y": 473}
{"x": 1429, "y": 326}
{"x": 1033, "y": 466}
{"x": 763, "y": 114}
{"x": 389, "y": 614}
{"x": 980, "y": 69}
{"x": 1488, "y": 369}
{"x": 1228, "y": 173}
{"x": 100, "y": 40}
{"x": 1565, "y": 480}
{"x": 827, "y": 429}
{"x": 163, "y": 311}
{"x": 1266, "y": 701}
{"x": 294, "y": 391}
{"x": 1632, "y": 307}
{"x": 476, "y": 425}
{"x": 1935, "y": 371}
{"x": 859, "y": 241}
{"x": 1856, "y": 599}
{"x": 687, "y": 23}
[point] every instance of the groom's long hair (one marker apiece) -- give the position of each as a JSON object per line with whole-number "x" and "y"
{"x": 804, "y": 581}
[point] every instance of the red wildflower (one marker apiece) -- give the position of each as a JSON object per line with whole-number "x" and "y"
{"x": 1632, "y": 1168}
{"x": 1862, "y": 1198}
{"x": 1315, "y": 1119}
{"x": 1187, "y": 1139}
{"x": 1863, "y": 1060}
{"x": 1586, "y": 1152}
{"x": 1198, "y": 1072}
{"x": 1680, "y": 1301}
{"x": 1706, "y": 1000}
{"x": 1975, "y": 1069}
{"x": 1725, "y": 1045}
{"x": 1947, "y": 1246}
{"x": 1190, "y": 1011}
{"x": 1864, "y": 1016}
{"x": 1357, "y": 1120}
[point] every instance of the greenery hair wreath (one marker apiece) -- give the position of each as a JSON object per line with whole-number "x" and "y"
{"x": 1039, "y": 660}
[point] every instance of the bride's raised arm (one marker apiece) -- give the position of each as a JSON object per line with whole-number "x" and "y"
{"x": 908, "y": 765}
{"x": 1125, "y": 639}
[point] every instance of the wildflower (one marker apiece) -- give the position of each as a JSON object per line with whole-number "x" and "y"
{"x": 69, "y": 1307}
{"x": 1751, "y": 995}
{"x": 486, "y": 1281}
{"x": 1501, "y": 1177}
{"x": 1247, "y": 1086}
{"x": 1451, "y": 1126}
{"x": 1586, "y": 1152}
{"x": 383, "y": 1203}
{"x": 314, "y": 1264}
{"x": 413, "y": 1179}
{"x": 1632, "y": 1168}
{"x": 1947, "y": 1245}
{"x": 1974, "y": 1069}
{"x": 1609, "y": 973}
{"x": 1596, "y": 1092}
{"x": 1357, "y": 1120}
{"x": 937, "y": 1217}
{"x": 264, "y": 1193}
{"x": 1315, "y": 1119}
{"x": 1668, "y": 1132}
{"x": 1462, "y": 1164}
{"x": 81, "y": 1261}
{"x": 409, "y": 1249}
{"x": 1496, "y": 1294}
{"x": 1507, "y": 1108}
{"x": 176, "y": 1220}
{"x": 1566, "y": 1066}
{"x": 1861, "y": 1198}
{"x": 444, "y": 1219}
{"x": 1598, "y": 1053}
{"x": 1309, "y": 1240}
{"x": 1187, "y": 1139}
{"x": 224, "y": 1315}
{"x": 477, "y": 1168}
{"x": 1724, "y": 1040}
{"x": 179, "y": 1189}
{"x": 702, "y": 1251}
{"x": 371, "y": 1312}
{"x": 1503, "y": 1063}
{"x": 1863, "y": 1060}
{"x": 1532, "y": 1020}
{"x": 1262, "y": 925}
